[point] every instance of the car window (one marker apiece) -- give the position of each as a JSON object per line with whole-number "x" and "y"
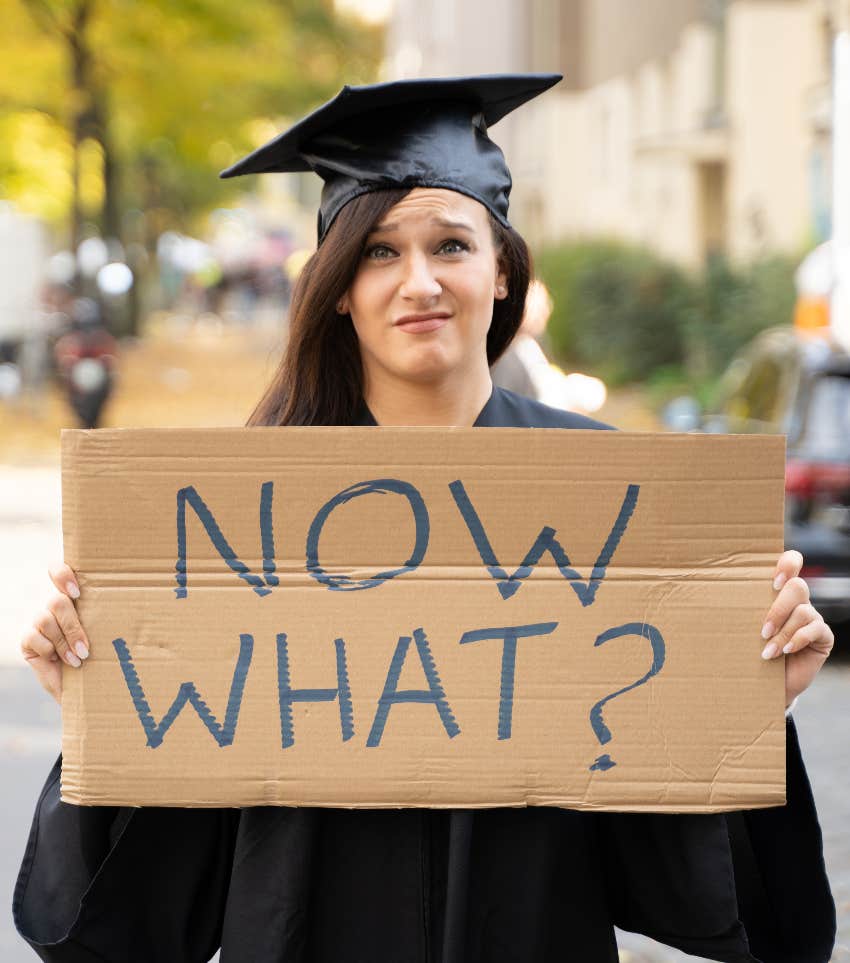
{"x": 826, "y": 430}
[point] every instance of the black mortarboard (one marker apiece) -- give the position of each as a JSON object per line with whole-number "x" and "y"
{"x": 405, "y": 133}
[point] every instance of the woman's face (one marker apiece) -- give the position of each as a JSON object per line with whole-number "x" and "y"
{"x": 422, "y": 299}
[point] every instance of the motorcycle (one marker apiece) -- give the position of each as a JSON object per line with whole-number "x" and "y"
{"x": 85, "y": 359}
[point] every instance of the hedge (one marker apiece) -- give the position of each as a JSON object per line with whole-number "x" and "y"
{"x": 623, "y": 313}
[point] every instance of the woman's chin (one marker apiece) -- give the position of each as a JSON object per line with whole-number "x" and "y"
{"x": 428, "y": 367}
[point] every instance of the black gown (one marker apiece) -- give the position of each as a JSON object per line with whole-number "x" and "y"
{"x": 536, "y": 885}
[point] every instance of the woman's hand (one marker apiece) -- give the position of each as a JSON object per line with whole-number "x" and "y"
{"x": 56, "y": 634}
{"x": 795, "y": 627}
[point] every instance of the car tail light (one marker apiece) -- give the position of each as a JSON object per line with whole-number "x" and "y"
{"x": 806, "y": 478}
{"x": 812, "y": 571}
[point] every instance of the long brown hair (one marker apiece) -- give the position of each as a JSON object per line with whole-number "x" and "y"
{"x": 320, "y": 378}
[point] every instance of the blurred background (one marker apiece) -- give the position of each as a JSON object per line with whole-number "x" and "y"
{"x": 685, "y": 192}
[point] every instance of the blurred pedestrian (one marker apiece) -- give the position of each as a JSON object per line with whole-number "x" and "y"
{"x": 524, "y": 367}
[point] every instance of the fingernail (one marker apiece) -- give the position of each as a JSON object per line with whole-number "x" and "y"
{"x": 73, "y": 591}
{"x": 769, "y": 651}
{"x": 779, "y": 581}
{"x": 788, "y": 648}
{"x": 72, "y": 660}
{"x": 82, "y": 650}
{"x": 767, "y": 630}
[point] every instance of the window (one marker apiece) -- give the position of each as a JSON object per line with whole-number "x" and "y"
{"x": 826, "y": 432}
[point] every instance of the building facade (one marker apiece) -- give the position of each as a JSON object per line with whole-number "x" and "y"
{"x": 693, "y": 126}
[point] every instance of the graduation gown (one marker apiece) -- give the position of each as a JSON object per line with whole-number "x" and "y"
{"x": 535, "y": 885}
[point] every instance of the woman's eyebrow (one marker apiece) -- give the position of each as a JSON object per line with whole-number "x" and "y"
{"x": 439, "y": 221}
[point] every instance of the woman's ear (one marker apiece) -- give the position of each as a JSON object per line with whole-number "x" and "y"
{"x": 501, "y": 289}
{"x": 342, "y": 305}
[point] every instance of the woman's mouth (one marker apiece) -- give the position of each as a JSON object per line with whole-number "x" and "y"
{"x": 422, "y": 324}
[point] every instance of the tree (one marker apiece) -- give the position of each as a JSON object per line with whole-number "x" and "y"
{"x": 166, "y": 92}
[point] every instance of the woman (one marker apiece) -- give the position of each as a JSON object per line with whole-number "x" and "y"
{"x": 416, "y": 288}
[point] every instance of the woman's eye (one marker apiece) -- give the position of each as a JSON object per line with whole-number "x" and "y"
{"x": 455, "y": 245}
{"x": 378, "y": 252}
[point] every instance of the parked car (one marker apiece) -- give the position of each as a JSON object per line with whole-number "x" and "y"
{"x": 798, "y": 385}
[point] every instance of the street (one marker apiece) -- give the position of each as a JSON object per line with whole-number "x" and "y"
{"x": 30, "y": 721}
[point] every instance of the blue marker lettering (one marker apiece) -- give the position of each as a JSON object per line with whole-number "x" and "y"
{"x": 545, "y": 542}
{"x": 434, "y": 694}
{"x": 380, "y": 486}
{"x": 509, "y": 635}
{"x": 288, "y": 695}
{"x": 155, "y": 731}
{"x": 222, "y": 546}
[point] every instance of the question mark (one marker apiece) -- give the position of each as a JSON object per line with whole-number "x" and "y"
{"x": 603, "y": 733}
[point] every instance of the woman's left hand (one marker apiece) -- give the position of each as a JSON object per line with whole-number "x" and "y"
{"x": 795, "y": 627}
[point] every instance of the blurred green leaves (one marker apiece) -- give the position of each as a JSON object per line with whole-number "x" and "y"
{"x": 170, "y": 90}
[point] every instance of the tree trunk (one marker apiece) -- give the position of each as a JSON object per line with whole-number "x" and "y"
{"x": 81, "y": 105}
{"x": 110, "y": 216}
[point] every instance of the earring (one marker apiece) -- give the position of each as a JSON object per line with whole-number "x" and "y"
{"x": 501, "y": 290}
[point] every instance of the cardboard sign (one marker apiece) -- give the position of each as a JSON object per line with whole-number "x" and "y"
{"x": 423, "y": 617}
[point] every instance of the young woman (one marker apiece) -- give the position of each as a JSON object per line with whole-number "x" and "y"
{"x": 415, "y": 289}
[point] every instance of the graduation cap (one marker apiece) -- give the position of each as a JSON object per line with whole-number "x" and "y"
{"x": 404, "y": 133}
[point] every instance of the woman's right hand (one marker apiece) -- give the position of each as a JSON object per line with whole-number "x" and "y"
{"x": 56, "y": 635}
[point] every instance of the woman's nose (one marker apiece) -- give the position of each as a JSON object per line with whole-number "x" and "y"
{"x": 419, "y": 282}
